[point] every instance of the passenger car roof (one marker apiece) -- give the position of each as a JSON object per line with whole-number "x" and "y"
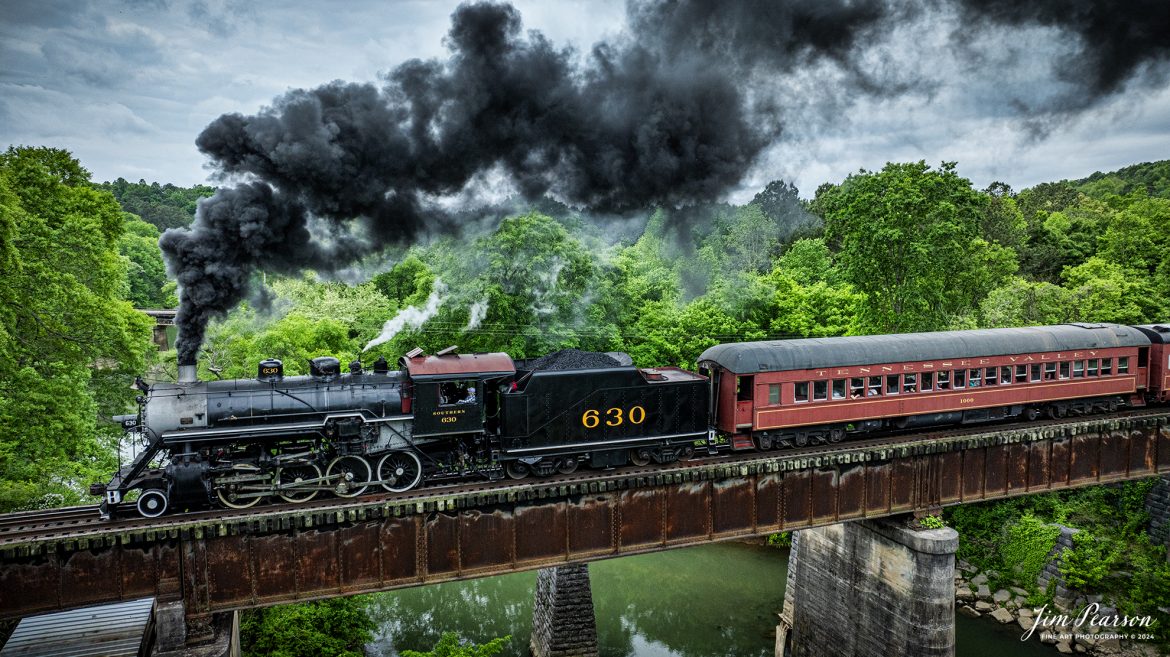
{"x": 815, "y": 353}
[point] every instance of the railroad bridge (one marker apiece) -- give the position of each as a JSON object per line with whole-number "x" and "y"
{"x": 217, "y": 561}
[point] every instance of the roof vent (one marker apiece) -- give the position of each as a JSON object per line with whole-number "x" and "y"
{"x": 414, "y": 353}
{"x": 449, "y": 350}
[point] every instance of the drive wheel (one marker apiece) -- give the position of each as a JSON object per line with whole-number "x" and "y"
{"x": 568, "y": 466}
{"x": 399, "y": 471}
{"x": 640, "y": 457}
{"x": 517, "y": 469}
{"x": 353, "y": 475}
{"x": 152, "y": 503}
{"x": 232, "y": 494}
{"x": 295, "y": 474}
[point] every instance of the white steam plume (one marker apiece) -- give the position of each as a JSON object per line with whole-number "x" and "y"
{"x": 411, "y": 317}
{"x": 478, "y": 312}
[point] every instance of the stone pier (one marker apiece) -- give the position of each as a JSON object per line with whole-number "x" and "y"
{"x": 563, "y": 623}
{"x": 176, "y": 635}
{"x": 870, "y": 589}
{"x": 1158, "y": 506}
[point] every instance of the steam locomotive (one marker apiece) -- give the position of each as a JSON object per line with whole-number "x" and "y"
{"x": 450, "y": 417}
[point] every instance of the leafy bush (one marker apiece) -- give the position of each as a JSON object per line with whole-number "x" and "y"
{"x": 1026, "y": 545}
{"x": 329, "y": 628}
{"x": 1088, "y": 562}
{"x": 450, "y": 645}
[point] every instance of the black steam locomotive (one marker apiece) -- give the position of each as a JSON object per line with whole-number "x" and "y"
{"x": 436, "y": 418}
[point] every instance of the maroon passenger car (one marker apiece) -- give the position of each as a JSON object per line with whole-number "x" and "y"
{"x": 822, "y": 389}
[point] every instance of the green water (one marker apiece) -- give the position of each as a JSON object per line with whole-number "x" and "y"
{"x": 709, "y": 601}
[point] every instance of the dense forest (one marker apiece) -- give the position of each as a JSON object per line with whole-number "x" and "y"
{"x": 910, "y": 247}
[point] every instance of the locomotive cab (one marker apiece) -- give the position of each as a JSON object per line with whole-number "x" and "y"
{"x": 448, "y": 391}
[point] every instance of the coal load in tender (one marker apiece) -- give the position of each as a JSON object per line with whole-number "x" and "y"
{"x": 573, "y": 359}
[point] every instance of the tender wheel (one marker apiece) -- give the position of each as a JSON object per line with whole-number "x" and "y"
{"x": 294, "y": 475}
{"x": 353, "y": 475}
{"x": 152, "y": 503}
{"x": 399, "y": 471}
{"x": 517, "y": 469}
{"x": 231, "y": 494}
{"x": 640, "y": 457}
{"x": 568, "y": 466}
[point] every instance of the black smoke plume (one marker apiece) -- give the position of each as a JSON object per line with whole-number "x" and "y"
{"x": 666, "y": 115}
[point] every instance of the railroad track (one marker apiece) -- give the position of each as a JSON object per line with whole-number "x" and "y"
{"x": 65, "y": 522}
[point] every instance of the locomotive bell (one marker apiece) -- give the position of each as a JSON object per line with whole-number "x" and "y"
{"x": 270, "y": 370}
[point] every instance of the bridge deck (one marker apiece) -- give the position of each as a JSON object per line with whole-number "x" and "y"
{"x": 217, "y": 561}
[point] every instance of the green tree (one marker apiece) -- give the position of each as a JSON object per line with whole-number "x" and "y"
{"x": 449, "y": 645}
{"x": 69, "y": 337}
{"x": 338, "y": 627}
{"x": 146, "y": 271}
{"x": 909, "y": 239}
{"x": 1105, "y": 291}
{"x": 1023, "y": 303}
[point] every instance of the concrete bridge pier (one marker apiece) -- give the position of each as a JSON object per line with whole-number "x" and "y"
{"x": 563, "y": 621}
{"x": 178, "y": 635}
{"x": 870, "y": 588}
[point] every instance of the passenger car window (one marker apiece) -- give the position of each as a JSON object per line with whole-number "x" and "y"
{"x": 773, "y": 393}
{"x": 960, "y": 379}
{"x": 1005, "y": 375}
{"x": 909, "y": 383}
{"x": 820, "y": 390}
{"x": 974, "y": 378}
{"x": 1064, "y": 369}
{"x": 875, "y": 386}
{"x": 839, "y": 389}
{"x": 1050, "y": 371}
{"x": 802, "y": 391}
{"x": 1078, "y": 369}
{"x": 944, "y": 380}
{"x": 1092, "y": 371}
{"x": 1123, "y": 365}
{"x": 1036, "y": 373}
{"x": 927, "y": 381}
{"x": 856, "y": 388}
{"x": 891, "y": 384}
{"x": 1106, "y": 366}
{"x": 1021, "y": 373}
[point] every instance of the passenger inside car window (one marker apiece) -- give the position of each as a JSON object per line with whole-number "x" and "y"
{"x": 974, "y": 378}
{"x": 1064, "y": 369}
{"x": 927, "y": 381}
{"x": 1005, "y": 375}
{"x": 960, "y": 379}
{"x": 944, "y": 380}
{"x": 856, "y": 388}
{"x": 909, "y": 383}
{"x": 891, "y": 384}
{"x": 1050, "y": 371}
{"x": 875, "y": 386}
{"x": 839, "y": 389}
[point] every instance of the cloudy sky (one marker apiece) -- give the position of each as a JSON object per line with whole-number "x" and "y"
{"x": 128, "y": 86}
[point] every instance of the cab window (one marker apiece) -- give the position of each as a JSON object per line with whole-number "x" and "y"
{"x": 453, "y": 393}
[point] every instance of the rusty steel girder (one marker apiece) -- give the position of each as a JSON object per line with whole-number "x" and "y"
{"x": 249, "y": 560}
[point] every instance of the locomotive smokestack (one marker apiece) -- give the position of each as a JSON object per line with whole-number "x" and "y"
{"x": 188, "y": 374}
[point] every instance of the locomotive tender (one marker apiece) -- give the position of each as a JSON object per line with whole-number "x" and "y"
{"x": 450, "y": 417}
